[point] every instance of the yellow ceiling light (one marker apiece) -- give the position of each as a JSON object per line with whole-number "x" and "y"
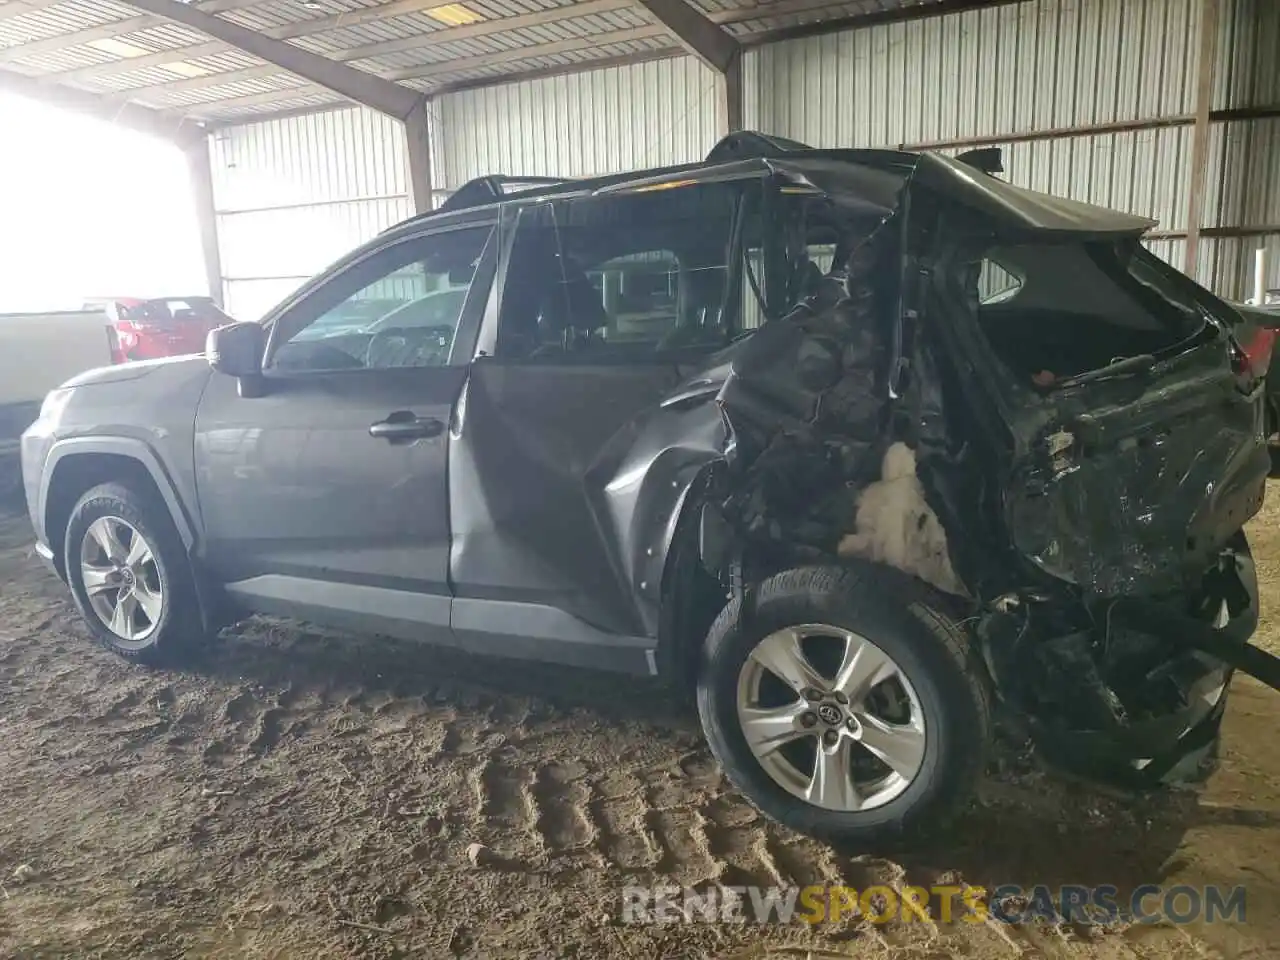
{"x": 454, "y": 14}
{"x": 118, "y": 48}
{"x": 184, "y": 69}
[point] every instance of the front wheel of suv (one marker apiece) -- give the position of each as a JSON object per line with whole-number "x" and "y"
{"x": 843, "y": 704}
{"x": 129, "y": 574}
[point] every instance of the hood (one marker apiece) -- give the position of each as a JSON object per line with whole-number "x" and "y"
{"x": 134, "y": 370}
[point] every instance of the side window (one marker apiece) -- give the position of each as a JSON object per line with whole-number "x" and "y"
{"x": 997, "y": 283}
{"x": 621, "y": 278}
{"x": 816, "y": 262}
{"x": 399, "y": 307}
{"x": 640, "y": 292}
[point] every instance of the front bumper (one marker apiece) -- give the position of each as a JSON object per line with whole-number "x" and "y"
{"x": 37, "y": 441}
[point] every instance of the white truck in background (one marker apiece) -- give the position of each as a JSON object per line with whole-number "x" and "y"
{"x": 39, "y": 351}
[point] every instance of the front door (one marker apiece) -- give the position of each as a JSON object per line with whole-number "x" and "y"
{"x": 327, "y": 496}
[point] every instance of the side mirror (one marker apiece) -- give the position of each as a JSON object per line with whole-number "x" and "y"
{"x": 236, "y": 349}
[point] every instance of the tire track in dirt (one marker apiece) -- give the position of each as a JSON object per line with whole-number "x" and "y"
{"x": 623, "y": 838}
{"x": 560, "y": 799}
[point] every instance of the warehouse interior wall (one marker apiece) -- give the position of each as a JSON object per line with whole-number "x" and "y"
{"x": 291, "y": 195}
{"x": 1091, "y": 99}
{"x": 650, "y": 114}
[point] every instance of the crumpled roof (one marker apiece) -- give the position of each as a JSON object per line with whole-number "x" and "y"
{"x": 874, "y": 180}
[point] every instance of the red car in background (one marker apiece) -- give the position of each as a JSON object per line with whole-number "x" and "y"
{"x": 161, "y": 327}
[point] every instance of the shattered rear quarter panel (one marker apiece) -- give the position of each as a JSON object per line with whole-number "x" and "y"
{"x": 1134, "y": 486}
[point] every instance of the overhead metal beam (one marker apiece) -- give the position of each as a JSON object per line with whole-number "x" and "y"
{"x": 116, "y": 28}
{"x": 1207, "y": 53}
{"x": 364, "y": 88}
{"x": 432, "y": 38}
{"x": 286, "y": 31}
{"x": 132, "y": 116}
{"x": 518, "y": 54}
{"x": 695, "y": 32}
{"x": 449, "y": 35}
{"x": 204, "y": 110}
{"x": 513, "y": 56}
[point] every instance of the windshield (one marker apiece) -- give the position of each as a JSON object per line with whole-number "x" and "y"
{"x": 438, "y": 309}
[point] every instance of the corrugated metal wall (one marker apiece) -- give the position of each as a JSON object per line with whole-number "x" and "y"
{"x": 621, "y": 118}
{"x": 294, "y": 194}
{"x": 1032, "y": 77}
{"x": 1021, "y": 70}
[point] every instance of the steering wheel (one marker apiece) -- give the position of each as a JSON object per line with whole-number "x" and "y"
{"x": 410, "y": 347}
{"x": 314, "y": 355}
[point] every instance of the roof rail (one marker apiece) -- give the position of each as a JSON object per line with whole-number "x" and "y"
{"x": 492, "y": 188}
{"x": 750, "y": 145}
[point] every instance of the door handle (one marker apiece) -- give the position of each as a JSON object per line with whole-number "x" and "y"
{"x": 403, "y": 425}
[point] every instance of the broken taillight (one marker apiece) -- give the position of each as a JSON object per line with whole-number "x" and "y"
{"x": 1257, "y": 347}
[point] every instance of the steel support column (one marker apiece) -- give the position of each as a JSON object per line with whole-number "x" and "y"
{"x": 417, "y": 133}
{"x": 731, "y": 94}
{"x": 710, "y": 43}
{"x": 1200, "y": 137}
{"x": 201, "y": 173}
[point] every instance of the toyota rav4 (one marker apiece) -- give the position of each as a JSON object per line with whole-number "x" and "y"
{"x": 861, "y": 445}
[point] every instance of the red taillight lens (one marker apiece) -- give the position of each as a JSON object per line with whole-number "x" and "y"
{"x": 1257, "y": 350}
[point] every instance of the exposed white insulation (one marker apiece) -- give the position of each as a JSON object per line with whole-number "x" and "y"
{"x": 897, "y": 527}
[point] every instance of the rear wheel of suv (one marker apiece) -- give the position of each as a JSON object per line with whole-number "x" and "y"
{"x": 129, "y": 574}
{"x": 844, "y": 705}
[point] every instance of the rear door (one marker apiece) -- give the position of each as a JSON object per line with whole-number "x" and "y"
{"x": 606, "y": 303}
{"x": 327, "y": 495}
{"x": 1133, "y": 422}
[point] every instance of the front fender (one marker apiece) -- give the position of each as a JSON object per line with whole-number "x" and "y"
{"x": 129, "y": 447}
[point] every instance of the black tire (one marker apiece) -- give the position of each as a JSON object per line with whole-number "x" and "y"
{"x": 901, "y": 616}
{"x": 178, "y": 627}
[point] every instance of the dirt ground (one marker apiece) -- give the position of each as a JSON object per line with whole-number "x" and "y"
{"x": 299, "y": 794}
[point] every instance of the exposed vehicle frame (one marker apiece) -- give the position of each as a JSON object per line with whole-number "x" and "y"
{"x": 853, "y": 528}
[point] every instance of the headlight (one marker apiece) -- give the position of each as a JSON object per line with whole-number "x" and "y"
{"x": 54, "y": 403}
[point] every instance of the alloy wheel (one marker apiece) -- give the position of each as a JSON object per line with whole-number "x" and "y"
{"x": 122, "y": 580}
{"x": 831, "y": 717}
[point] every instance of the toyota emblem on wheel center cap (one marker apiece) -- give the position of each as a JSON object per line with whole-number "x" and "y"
{"x": 829, "y": 713}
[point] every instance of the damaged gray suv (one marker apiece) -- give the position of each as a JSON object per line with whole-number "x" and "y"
{"x": 864, "y": 446}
